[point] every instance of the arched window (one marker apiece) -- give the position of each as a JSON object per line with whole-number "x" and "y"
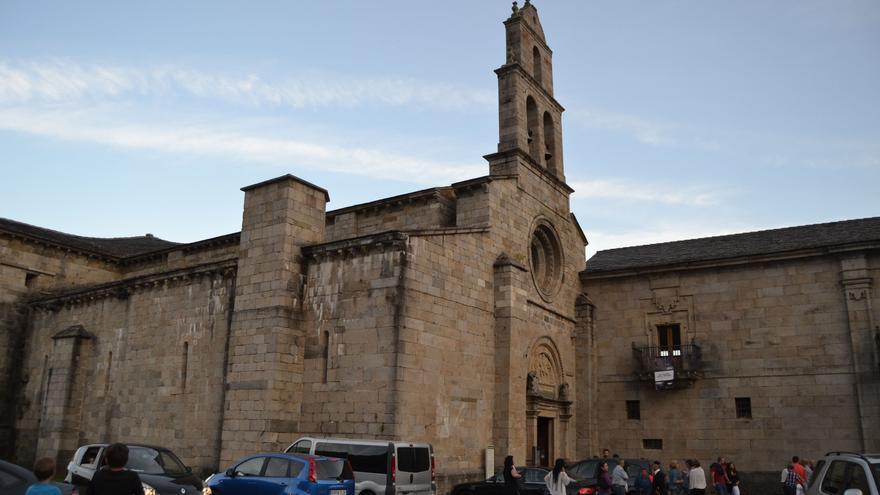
{"x": 533, "y": 125}
{"x": 536, "y": 65}
{"x": 549, "y": 142}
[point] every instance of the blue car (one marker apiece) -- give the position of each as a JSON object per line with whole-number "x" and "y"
{"x": 283, "y": 474}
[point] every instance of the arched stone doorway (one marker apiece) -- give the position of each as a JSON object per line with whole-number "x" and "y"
{"x": 548, "y": 408}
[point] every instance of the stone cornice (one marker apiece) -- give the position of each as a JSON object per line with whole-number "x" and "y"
{"x": 359, "y": 246}
{"x": 586, "y": 275}
{"x": 533, "y": 165}
{"x": 203, "y": 245}
{"x": 425, "y": 195}
{"x": 59, "y": 246}
{"x": 123, "y": 288}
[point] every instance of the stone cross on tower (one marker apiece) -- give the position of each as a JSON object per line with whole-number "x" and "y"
{"x": 530, "y": 119}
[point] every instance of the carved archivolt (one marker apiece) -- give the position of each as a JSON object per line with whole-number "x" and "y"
{"x": 545, "y": 369}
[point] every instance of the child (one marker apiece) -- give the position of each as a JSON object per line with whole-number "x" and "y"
{"x": 44, "y": 470}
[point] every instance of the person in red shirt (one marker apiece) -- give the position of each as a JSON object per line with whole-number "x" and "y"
{"x": 799, "y": 469}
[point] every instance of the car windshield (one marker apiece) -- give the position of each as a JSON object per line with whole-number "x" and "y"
{"x": 587, "y": 470}
{"x": 151, "y": 461}
{"x": 583, "y": 470}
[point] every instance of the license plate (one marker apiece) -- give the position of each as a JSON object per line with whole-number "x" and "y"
{"x": 338, "y": 491}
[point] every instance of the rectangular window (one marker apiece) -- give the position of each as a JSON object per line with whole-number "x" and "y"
{"x": 669, "y": 340}
{"x": 633, "y": 409}
{"x": 743, "y": 407}
{"x": 652, "y": 443}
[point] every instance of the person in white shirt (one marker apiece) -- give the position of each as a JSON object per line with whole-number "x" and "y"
{"x": 697, "y": 479}
{"x": 557, "y": 479}
{"x": 619, "y": 478}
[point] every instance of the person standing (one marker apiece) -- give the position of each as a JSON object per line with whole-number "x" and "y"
{"x": 115, "y": 479}
{"x": 658, "y": 482}
{"x": 557, "y": 479}
{"x": 733, "y": 477}
{"x": 511, "y": 477}
{"x": 603, "y": 481}
{"x": 801, "y": 472}
{"x": 643, "y": 483}
{"x": 44, "y": 470}
{"x": 675, "y": 481}
{"x": 719, "y": 477}
{"x": 619, "y": 478}
{"x": 792, "y": 481}
{"x": 697, "y": 479}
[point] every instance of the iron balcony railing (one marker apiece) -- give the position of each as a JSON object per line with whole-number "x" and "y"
{"x": 685, "y": 360}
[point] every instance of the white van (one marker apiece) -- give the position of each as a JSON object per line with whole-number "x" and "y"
{"x": 380, "y": 467}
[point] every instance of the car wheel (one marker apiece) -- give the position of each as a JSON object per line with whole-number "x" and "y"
{"x": 366, "y": 492}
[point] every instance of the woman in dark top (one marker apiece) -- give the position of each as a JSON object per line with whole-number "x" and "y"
{"x": 603, "y": 481}
{"x": 733, "y": 476}
{"x": 511, "y": 475}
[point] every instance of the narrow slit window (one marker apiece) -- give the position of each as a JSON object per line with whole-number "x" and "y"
{"x": 185, "y": 365}
{"x": 326, "y": 357}
{"x": 107, "y": 374}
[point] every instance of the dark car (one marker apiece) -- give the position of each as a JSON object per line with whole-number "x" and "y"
{"x": 15, "y": 480}
{"x": 284, "y": 474}
{"x": 532, "y": 484}
{"x": 586, "y": 474}
{"x": 160, "y": 470}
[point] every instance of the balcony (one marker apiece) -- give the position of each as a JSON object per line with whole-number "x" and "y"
{"x": 685, "y": 362}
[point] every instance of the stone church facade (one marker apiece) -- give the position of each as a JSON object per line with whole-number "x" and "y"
{"x": 460, "y": 315}
{"x": 447, "y": 315}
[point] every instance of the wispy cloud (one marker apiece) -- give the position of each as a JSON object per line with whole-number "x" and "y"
{"x": 624, "y": 190}
{"x": 63, "y": 80}
{"x": 644, "y": 130}
{"x": 203, "y": 139}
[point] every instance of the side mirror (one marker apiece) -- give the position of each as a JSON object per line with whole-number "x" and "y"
{"x": 189, "y": 470}
{"x": 230, "y": 473}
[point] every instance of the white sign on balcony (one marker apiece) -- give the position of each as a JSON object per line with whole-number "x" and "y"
{"x": 664, "y": 376}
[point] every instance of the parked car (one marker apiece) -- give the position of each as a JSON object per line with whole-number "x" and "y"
{"x": 586, "y": 474}
{"x": 15, "y": 480}
{"x": 379, "y": 467}
{"x": 846, "y": 473}
{"x": 283, "y": 474}
{"x": 160, "y": 470}
{"x": 532, "y": 484}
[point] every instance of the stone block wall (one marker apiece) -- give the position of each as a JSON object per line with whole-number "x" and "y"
{"x": 428, "y": 209}
{"x": 352, "y": 307}
{"x": 147, "y": 367}
{"x": 26, "y": 270}
{"x": 775, "y": 332}
{"x": 265, "y": 359}
{"x": 446, "y": 373}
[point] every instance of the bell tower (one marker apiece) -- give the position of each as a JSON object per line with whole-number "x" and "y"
{"x": 529, "y": 118}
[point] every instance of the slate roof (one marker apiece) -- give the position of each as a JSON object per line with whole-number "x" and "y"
{"x": 764, "y": 242}
{"x": 116, "y": 247}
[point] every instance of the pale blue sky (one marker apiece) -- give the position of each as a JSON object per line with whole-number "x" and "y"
{"x": 683, "y": 118}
